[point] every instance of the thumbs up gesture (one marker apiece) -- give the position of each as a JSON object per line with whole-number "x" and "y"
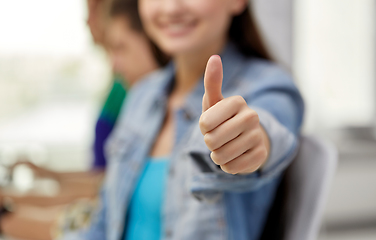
{"x": 231, "y": 129}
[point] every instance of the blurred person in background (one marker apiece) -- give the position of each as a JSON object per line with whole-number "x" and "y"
{"x": 204, "y": 155}
{"x": 115, "y": 26}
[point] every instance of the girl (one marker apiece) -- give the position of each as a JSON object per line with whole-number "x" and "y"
{"x": 200, "y": 157}
{"x": 127, "y": 47}
{"x": 114, "y": 25}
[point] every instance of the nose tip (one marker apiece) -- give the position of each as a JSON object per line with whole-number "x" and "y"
{"x": 173, "y": 6}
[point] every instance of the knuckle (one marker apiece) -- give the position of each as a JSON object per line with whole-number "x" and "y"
{"x": 253, "y": 168}
{"x": 261, "y": 153}
{"x": 257, "y": 136}
{"x": 228, "y": 169}
{"x": 237, "y": 101}
{"x": 203, "y": 123}
{"x": 209, "y": 141}
{"x": 251, "y": 116}
{"x": 244, "y": 164}
{"x": 264, "y": 153}
{"x": 214, "y": 158}
{"x": 247, "y": 119}
{"x": 217, "y": 158}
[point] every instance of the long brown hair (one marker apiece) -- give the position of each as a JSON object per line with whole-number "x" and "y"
{"x": 129, "y": 10}
{"x": 245, "y": 34}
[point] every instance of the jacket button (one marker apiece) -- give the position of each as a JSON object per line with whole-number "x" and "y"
{"x": 169, "y": 233}
{"x": 172, "y": 172}
{"x": 187, "y": 115}
{"x": 221, "y": 223}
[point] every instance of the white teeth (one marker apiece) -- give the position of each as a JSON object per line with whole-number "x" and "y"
{"x": 177, "y": 27}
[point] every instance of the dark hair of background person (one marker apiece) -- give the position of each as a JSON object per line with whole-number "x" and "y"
{"x": 129, "y": 10}
{"x": 247, "y": 37}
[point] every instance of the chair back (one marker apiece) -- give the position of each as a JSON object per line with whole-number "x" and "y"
{"x": 299, "y": 205}
{"x": 308, "y": 179}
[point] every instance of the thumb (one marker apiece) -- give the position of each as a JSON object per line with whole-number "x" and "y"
{"x": 212, "y": 82}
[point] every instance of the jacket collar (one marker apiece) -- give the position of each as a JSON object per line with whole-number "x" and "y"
{"x": 233, "y": 62}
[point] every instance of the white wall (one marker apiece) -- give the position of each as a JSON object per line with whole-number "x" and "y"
{"x": 275, "y": 19}
{"x": 334, "y": 61}
{"x": 43, "y": 27}
{"x": 52, "y": 79}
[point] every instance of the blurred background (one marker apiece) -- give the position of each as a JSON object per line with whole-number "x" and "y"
{"x": 53, "y": 80}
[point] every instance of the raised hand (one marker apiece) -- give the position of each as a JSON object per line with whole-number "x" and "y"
{"x": 231, "y": 129}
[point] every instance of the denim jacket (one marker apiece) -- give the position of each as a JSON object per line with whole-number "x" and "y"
{"x": 201, "y": 201}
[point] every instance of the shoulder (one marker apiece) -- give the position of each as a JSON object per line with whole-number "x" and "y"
{"x": 251, "y": 69}
{"x": 263, "y": 70}
{"x": 258, "y": 75}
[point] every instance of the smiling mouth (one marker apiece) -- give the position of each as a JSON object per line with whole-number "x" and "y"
{"x": 178, "y": 29}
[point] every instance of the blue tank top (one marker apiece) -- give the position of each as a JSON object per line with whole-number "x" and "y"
{"x": 144, "y": 217}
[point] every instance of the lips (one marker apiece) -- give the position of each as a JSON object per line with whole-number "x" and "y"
{"x": 178, "y": 29}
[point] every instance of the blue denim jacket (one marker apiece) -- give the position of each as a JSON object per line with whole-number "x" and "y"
{"x": 201, "y": 201}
